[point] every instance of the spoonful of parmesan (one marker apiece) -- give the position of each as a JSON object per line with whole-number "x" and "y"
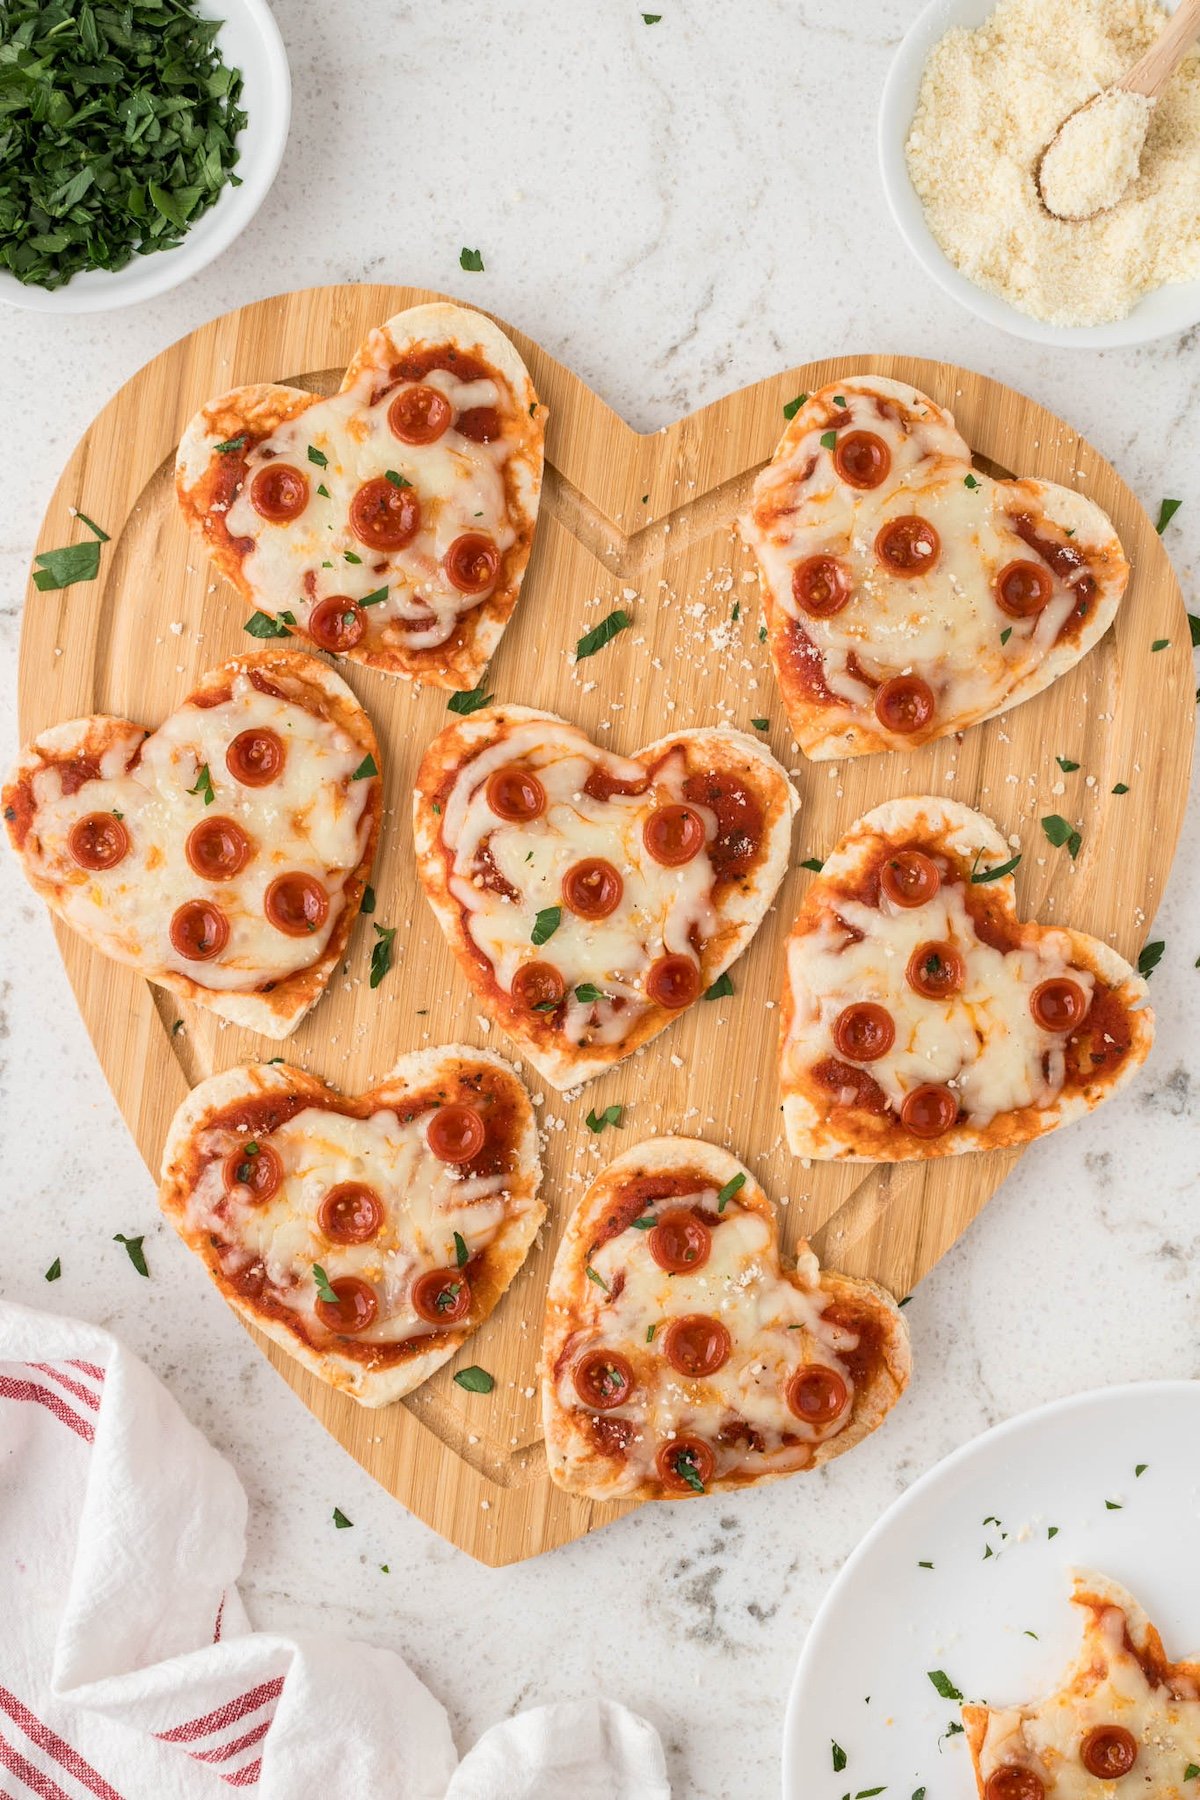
{"x": 1096, "y": 152}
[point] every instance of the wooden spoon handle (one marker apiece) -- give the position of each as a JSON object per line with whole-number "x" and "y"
{"x": 1151, "y": 73}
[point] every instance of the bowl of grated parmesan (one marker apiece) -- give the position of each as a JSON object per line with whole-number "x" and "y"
{"x": 975, "y": 93}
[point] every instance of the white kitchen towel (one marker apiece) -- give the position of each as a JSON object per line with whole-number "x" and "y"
{"x": 128, "y": 1668}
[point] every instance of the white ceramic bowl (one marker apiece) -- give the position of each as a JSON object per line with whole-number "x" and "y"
{"x": 1162, "y": 314}
{"x": 249, "y": 40}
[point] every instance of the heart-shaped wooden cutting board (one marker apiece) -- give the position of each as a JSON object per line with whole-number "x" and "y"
{"x": 644, "y": 523}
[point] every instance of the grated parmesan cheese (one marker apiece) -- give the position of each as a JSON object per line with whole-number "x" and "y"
{"x": 990, "y": 102}
{"x": 1096, "y": 154}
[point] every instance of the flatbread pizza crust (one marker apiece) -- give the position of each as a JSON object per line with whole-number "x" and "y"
{"x": 209, "y": 480}
{"x": 581, "y": 1453}
{"x": 742, "y": 904}
{"x": 104, "y": 744}
{"x": 828, "y": 1122}
{"x": 374, "y": 1374}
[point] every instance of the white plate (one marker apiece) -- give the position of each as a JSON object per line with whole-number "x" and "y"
{"x": 886, "y": 1621}
{"x": 248, "y": 40}
{"x": 1161, "y": 314}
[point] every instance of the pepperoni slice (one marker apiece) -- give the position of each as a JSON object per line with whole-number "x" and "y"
{"x": 1012, "y": 1783}
{"x": 696, "y": 1345}
{"x": 603, "y": 1379}
{"x": 441, "y": 1296}
{"x": 910, "y": 878}
{"x": 929, "y": 1111}
{"x": 419, "y": 415}
{"x": 383, "y": 516}
{"x": 355, "y": 1309}
{"x": 908, "y": 546}
{"x": 1108, "y": 1751}
{"x": 685, "y": 1465}
{"x": 98, "y": 841}
{"x": 862, "y": 459}
{"x": 863, "y": 1032}
{"x": 296, "y": 904}
{"x": 199, "y": 931}
{"x": 904, "y": 704}
{"x": 1059, "y": 1004}
{"x": 673, "y": 981}
{"x": 936, "y": 970}
{"x": 472, "y": 562}
{"x": 538, "y": 987}
{"x": 350, "y": 1213}
{"x": 673, "y": 835}
{"x": 456, "y": 1134}
{"x": 680, "y": 1242}
{"x": 516, "y": 794}
{"x": 255, "y": 1166}
{"x": 592, "y": 888}
{"x": 482, "y": 424}
{"x": 821, "y": 586}
{"x": 337, "y": 623}
{"x": 1022, "y": 589}
{"x": 218, "y": 849}
{"x": 279, "y": 493}
{"x": 255, "y": 757}
{"x": 817, "y": 1394}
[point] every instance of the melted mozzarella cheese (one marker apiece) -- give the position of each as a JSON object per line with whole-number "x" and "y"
{"x": 425, "y": 1202}
{"x": 659, "y": 910}
{"x": 312, "y": 819}
{"x": 776, "y": 1327}
{"x": 459, "y": 484}
{"x": 983, "y": 1041}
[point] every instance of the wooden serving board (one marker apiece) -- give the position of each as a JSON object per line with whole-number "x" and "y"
{"x": 643, "y": 522}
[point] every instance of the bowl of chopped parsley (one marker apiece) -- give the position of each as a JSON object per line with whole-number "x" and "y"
{"x": 137, "y": 139}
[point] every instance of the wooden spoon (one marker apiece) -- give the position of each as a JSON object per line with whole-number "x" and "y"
{"x": 1148, "y": 77}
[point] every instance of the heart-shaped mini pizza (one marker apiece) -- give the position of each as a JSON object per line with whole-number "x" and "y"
{"x": 392, "y": 522}
{"x": 368, "y": 1235}
{"x": 223, "y": 855}
{"x": 681, "y": 1357}
{"x": 923, "y": 1017}
{"x": 908, "y": 594}
{"x": 590, "y": 897}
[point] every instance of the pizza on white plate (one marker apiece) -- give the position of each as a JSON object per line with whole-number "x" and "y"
{"x": 371, "y": 1234}
{"x": 224, "y": 855}
{"x": 1125, "y": 1722}
{"x": 391, "y": 522}
{"x": 923, "y": 1017}
{"x": 683, "y": 1357}
{"x": 909, "y": 594}
{"x": 590, "y": 898}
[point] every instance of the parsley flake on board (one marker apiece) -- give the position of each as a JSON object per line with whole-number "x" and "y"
{"x": 761, "y": 724}
{"x": 733, "y": 1186}
{"x": 721, "y": 988}
{"x": 262, "y": 625}
{"x": 381, "y": 955}
{"x": 839, "y": 1756}
{"x": 366, "y": 768}
{"x": 1166, "y": 512}
{"x": 204, "y": 785}
{"x": 367, "y": 904}
{"x": 1161, "y": 644}
{"x": 943, "y": 1684}
{"x": 1151, "y": 956}
{"x": 1122, "y": 787}
{"x": 317, "y": 456}
{"x": 54, "y": 1271}
{"x": 475, "y": 1380}
{"x": 120, "y": 129}
{"x": 1194, "y": 628}
{"x": 546, "y": 924}
{"x": 340, "y": 1519}
{"x": 471, "y": 261}
{"x": 324, "y": 1290}
{"x": 1066, "y": 765}
{"x": 134, "y": 1251}
{"x": 602, "y": 634}
{"x": 814, "y": 863}
{"x": 1059, "y": 833}
{"x": 63, "y": 568}
{"x": 793, "y": 406}
{"x": 469, "y": 700}
{"x": 611, "y": 1115}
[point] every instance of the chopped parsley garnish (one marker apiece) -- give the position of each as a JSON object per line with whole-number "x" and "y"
{"x": 204, "y": 785}
{"x": 176, "y": 1028}
{"x": 368, "y": 899}
{"x": 943, "y": 1684}
{"x": 471, "y": 261}
{"x": 400, "y": 481}
{"x": 462, "y": 1255}
{"x": 839, "y": 1756}
{"x": 54, "y": 1271}
{"x": 1122, "y": 787}
{"x": 1140, "y": 1470}
{"x": 761, "y": 724}
{"x": 446, "y": 1297}
{"x": 469, "y": 700}
{"x": 686, "y": 1467}
{"x": 1114, "y": 1506}
{"x": 323, "y": 491}
{"x": 980, "y": 876}
{"x": 74, "y": 562}
{"x": 1052, "y": 1531}
{"x": 1151, "y": 956}
{"x": 546, "y": 924}
{"x": 762, "y": 634}
{"x": 374, "y": 597}
{"x": 650, "y": 1331}
{"x": 838, "y": 400}
{"x": 262, "y": 625}
{"x": 230, "y": 445}
{"x": 610, "y": 1116}
{"x": 733, "y": 1186}
{"x": 381, "y": 955}
{"x": 366, "y": 768}
{"x": 1166, "y": 512}
{"x": 1066, "y": 765}
{"x": 602, "y": 634}
{"x": 814, "y": 863}
{"x": 352, "y": 556}
{"x": 1194, "y": 628}
{"x": 475, "y": 1380}
{"x": 793, "y": 406}
{"x": 736, "y": 611}
{"x": 588, "y": 992}
{"x": 317, "y": 456}
{"x": 647, "y": 1222}
{"x": 924, "y": 1565}
{"x": 1161, "y": 644}
{"x": 1006, "y": 634}
{"x": 721, "y": 988}
{"x": 598, "y": 1279}
{"x": 651, "y": 18}
{"x": 969, "y": 481}
{"x": 828, "y": 440}
{"x": 324, "y": 1290}
{"x": 1192, "y": 1772}
{"x": 134, "y": 1251}
{"x": 1060, "y": 833}
{"x": 340, "y": 1519}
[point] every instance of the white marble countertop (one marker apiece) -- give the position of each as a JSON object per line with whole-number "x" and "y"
{"x": 674, "y": 210}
